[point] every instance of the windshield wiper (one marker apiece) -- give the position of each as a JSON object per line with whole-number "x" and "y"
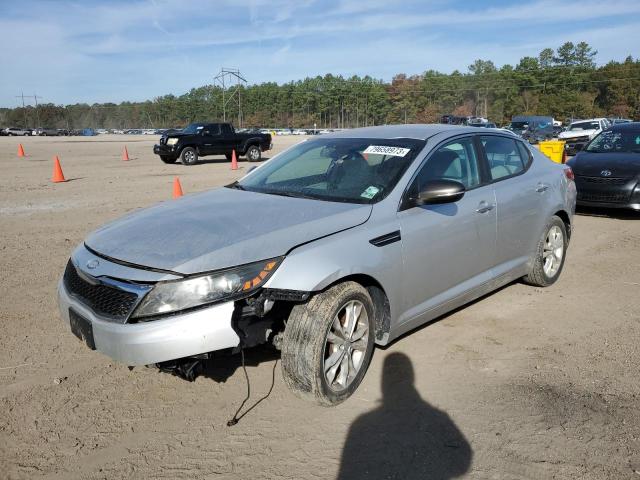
{"x": 236, "y": 185}
{"x": 283, "y": 193}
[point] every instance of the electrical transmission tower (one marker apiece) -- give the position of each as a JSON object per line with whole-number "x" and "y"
{"x": 231, "y": 82}
{"x": 24, "y": 110}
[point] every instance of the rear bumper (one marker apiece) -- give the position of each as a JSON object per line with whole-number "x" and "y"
{"x": 178, "y": 336}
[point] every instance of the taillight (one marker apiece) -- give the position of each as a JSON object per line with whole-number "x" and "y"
{"x": 569, "y": 173}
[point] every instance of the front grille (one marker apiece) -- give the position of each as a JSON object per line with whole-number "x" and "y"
{"x": 102, "y": 299}
{"x": 603, "y": 197}
{"x": 604, "y": 180}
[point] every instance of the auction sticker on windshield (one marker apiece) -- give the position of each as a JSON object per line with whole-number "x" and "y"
{"x": 370, "y": 192}
{"x": 383, "y": 150}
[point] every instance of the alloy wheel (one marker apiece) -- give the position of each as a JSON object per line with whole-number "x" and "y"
{"x": 553, "y": 251}
{"x": 346, "y": 345}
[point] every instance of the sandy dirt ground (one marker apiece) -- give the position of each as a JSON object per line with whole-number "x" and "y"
{"x": 525, "y": 383}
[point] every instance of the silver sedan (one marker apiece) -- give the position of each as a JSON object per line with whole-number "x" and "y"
{"x": 337, "y": 244}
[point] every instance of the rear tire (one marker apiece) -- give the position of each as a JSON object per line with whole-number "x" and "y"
{"x": 328, "y": 343}
{"x": 550, "y": 254}
{"x": 189, "y": 156}
{"x": 167, "y": 159}
{"x": 253, "y": 153}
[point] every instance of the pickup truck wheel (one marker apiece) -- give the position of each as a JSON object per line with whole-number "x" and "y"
{"x": 550, "y": 255}
{"x": 328, "y": 343}
{"x": 167, "y": 159}
{"x": 253, "y": 153}
{"x": 189, "y": 156}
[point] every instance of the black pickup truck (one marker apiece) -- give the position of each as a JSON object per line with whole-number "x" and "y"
{"x": 201, "y": 139}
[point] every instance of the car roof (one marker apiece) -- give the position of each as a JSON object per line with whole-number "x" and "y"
{"x": 629, "y": 126}
{"x": 588, "y": 120}
{"x": 417, "y": 131}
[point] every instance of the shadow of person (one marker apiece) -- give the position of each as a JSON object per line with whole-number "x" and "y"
{"x": 404, "y": 438}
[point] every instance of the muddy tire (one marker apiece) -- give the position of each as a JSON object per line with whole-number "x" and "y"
{"x": 328, "y": 343}
{"x": 189, "y": 156}
{"x": 550, "y": 255}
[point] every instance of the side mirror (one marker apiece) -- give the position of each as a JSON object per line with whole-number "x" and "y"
{"x": 439, "y": 191}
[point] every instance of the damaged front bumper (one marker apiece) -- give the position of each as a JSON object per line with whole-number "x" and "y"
{"x": 183, "y": 335}
{"x": 180, "y": 335}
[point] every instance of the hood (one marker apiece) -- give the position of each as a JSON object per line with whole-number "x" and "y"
{"x": 619, "y": 164}
{"x": 221, "y": 228}
{"x": 577, "y": 133}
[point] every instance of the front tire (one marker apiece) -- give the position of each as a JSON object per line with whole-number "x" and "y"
{"x": 328, "y": 343}
{"x": 253, "y": 153}
{"x": 550, "y": 254}
{"x": 189, "y": 156}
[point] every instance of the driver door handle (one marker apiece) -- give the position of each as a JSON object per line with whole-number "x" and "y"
{"x": 484, "y": 207}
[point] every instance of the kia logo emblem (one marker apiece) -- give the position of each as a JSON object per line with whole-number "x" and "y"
{"x": 605, "y": 173}
{"x": 91, "y": 264}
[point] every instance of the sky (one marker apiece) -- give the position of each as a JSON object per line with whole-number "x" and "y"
{"x": 131, "y": 50}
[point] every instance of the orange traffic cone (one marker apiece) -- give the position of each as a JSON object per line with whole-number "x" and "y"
{"x": 58, "y": 176}
{"x": 177, "y": 188}
{"x": 125, "y": 154}
{"x": 234, "y": 160}
{"x": 21, "y": 151}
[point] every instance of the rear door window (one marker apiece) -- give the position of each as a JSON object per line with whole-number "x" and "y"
{"x": 504, "y": 157}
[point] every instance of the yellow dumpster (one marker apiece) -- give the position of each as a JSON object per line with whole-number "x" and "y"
{"x": 554, "y": 149}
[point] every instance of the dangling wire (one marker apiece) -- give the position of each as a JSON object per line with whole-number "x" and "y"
{"x": 237, "y": 418}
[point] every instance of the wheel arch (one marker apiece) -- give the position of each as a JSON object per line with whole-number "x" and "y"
{"x": 249, "y": 142}
{"x": 380, "y": 299}
{"x": 566, "y": 219}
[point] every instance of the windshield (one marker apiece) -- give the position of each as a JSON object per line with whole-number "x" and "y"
{"x": 353, "y": 170}
{"x": 193, "y": 128}
{"x": 611, "y": 141}
{"x": 584, "y": 126}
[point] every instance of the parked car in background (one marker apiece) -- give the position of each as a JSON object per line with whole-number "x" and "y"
{"x": 486, "y": 124}
{"x": 579, "y": 133}
{"x": 607, "y": 170}
{"x": 615, "y": 121}
{"x": 532, "y": 128}
{"x": 201, "y": 139}
{"x": 47, "y": 132}
{"x": 341, "y": 242}
{"x": 18, "y": 132}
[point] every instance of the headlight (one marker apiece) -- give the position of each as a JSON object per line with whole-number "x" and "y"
{"x": 173, "y": 296}
{"x": 172, "y": 141}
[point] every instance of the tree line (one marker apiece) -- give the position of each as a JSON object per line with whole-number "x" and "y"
{"x": 564, "y": 83}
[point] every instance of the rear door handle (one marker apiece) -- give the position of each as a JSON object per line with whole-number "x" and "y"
{"x": 484, "y": 207}
{"x": 541, "y": 187}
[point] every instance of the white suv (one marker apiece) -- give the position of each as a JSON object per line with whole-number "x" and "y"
{"x": 581, "y": 132}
